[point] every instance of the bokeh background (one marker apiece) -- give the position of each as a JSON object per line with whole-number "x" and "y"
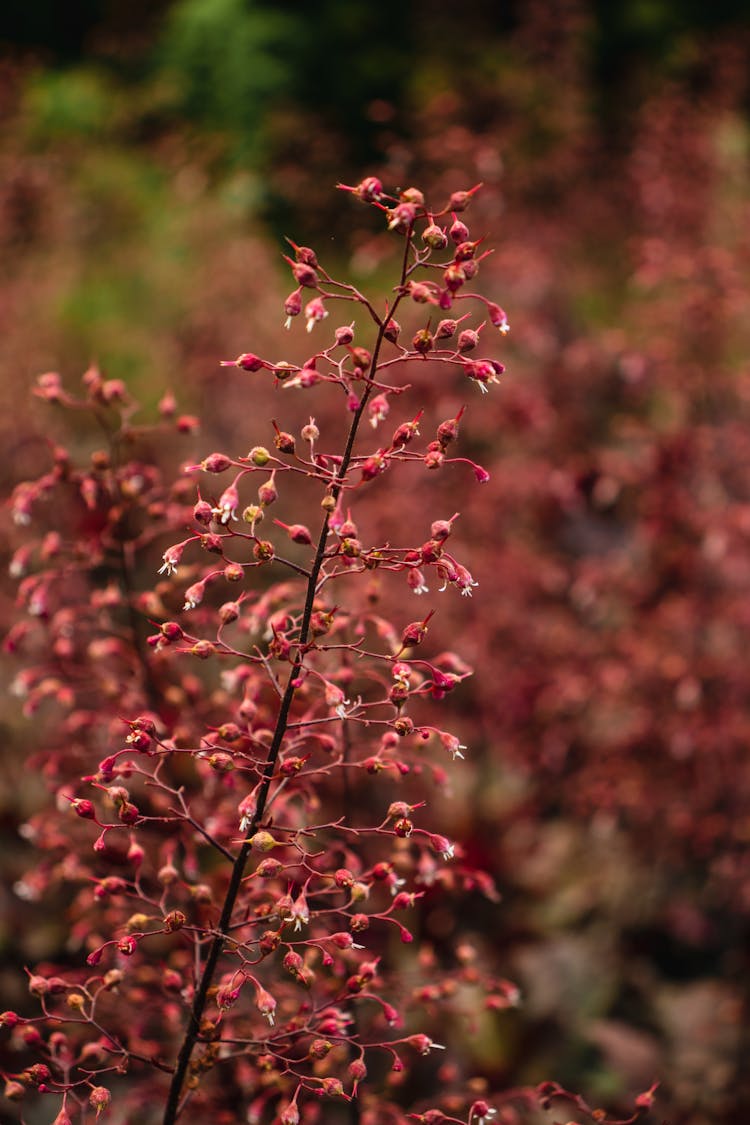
{"x": 153, "y": 155}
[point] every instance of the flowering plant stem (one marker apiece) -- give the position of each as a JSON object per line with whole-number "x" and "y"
{"x": 196, "y": 938}
{"x": 172, "y": 1108}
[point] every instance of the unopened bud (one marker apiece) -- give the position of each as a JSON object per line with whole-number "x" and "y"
{"x": 99, "y": 1099}
{"x": 263, "y": 841}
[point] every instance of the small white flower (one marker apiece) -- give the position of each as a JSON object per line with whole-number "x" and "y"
{"x": 465, "y": 583}
{"x": 225, "y": 513}
{"x": 346, "y": 709}
{"x": 171, "y": 557}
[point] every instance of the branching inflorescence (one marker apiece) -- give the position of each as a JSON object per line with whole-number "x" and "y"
{"x": 244, "y": 863}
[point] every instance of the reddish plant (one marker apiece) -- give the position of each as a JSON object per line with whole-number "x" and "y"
{"x": 241, "y": 791}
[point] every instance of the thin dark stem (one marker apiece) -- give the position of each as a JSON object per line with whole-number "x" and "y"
{"x": 216, "y": 947}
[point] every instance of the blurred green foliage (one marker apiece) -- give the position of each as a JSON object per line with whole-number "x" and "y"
{"x": 230, "y": 61}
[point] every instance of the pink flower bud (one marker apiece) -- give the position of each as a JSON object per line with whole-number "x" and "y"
{"x": 392, "y": 330}
{"x": 267, "y": 492}
{"x": 99, "y": 1099}
{"x": 38, "y": 985}
{"x": 458, "y": 232}
{"x": 459, "y": 200}
{"x": 172, "y": 632}
{"x": 315, "y": 311}
{"x": 292, "y": 961}
{"x": 215, "y": 463}
{"x": 304, "y": 274}
{"x": 289, "y": 1114}
{"x": 497, "y": 317}
{"x": 293, "y": 306}
{"x": 83, "y": 808}
{"x": 228, "y": 503}
{"x": 342, "y": 940}
{"x": 283, "y": 441}
{"x": 368, "y": 190}
{"x": 49, "y": 386}
{"x": 415, "y": 633}
{"x": 421, "y": 292}
{"x": 269, "y": 868}
{"x": 357, "y": 1070}
{"x": 372, "y": 466}
{"x": 423, "y": 1044}
{"x": 310, "y": 432}
{"x": 194, "y": 594}
{"x": 247, "y": 361}
{"x": 304, "y": 254}
{"x": 646, "y": 1099}
{"x": 174, "y": 921}
{"x": 406, "y": 432}
{"x": 229, "y": 611}
{"x": 412, "y": 195}
{"x": 297, "y": 532}
{"x": 454, "y": 277}
{"x": 401, "y": 217}
{"x": 203, "y": 512}
{"x": 423, "y": 341}
{"x": 377, "y": 409}
{"x": 226, "y": 997}
{"x": 467, "y": 340}
{"x": 435, "y": 237}
{"x": 446, "y": 329}
{"x": 442, "y": 846}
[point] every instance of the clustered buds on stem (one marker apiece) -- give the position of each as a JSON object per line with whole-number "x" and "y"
{"x": 235, "y": 853}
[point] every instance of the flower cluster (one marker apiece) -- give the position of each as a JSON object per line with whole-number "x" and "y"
{"x": 243, "y": 754}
